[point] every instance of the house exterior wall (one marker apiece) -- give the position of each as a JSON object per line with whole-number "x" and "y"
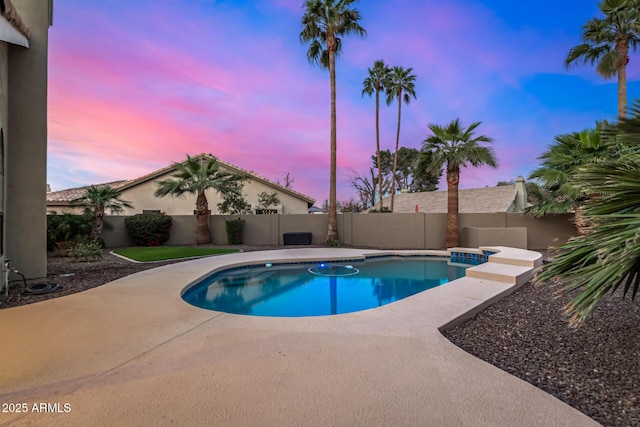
{"x": 142, "y": 197}
{"x": 26, "y": 144}
{"x": 4, "y": 115}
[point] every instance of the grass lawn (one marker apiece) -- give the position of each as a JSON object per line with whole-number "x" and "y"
{"x": 162, "y": 253}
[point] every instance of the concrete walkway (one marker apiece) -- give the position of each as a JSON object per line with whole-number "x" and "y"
{"x": 133, "y": 353}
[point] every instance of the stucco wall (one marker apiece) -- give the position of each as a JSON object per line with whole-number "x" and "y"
{"x": 142, "y": 198}
{"x": 4, "y": 114}
{"x": 388, "y": 231}
{"x": 26, "y": 145}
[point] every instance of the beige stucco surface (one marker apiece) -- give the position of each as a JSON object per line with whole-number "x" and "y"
{"x": 141, "y": 196}
{"x": 4, "y": 116}
{"x": 133, "y": 353}
{"x": 26, "y": 144}
{"x": 384, "y": 231}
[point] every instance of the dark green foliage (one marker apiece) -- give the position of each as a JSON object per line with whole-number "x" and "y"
{"x": 67, "y": 227}
{"x": 333, "y": 243}
{"x": 266, "y": 200}
{"x": 607, "y": 256}
{"x": 383, "y": 210}
{"x": 234, "y": 203}
{"x": 234, "y": 231}
{"x": 149, "y": 229}
{"x": 351, "y": 205}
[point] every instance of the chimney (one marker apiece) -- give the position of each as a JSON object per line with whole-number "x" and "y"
{"x": 521, "y": 195}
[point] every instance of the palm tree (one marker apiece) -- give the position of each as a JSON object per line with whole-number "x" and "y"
{"x": 195, "y": 176}
{"x": 607, "y": 257}
{"x": 607, "y": 42}
{"x": 557, "y": 175}
{"x": 323, "y": 24}
{"x": 401, "y": 87}
{"x": 98, "y": 198}
{"x": 456, "y": 147}
{"x": 375, "y": 82}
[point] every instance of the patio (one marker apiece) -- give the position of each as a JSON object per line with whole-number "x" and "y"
{"x": 132, "y": 352}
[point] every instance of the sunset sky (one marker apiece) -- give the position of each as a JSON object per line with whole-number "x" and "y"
{"x": 137, "y": 85}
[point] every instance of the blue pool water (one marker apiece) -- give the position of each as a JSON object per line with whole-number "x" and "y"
{"x": 292, "y": 290}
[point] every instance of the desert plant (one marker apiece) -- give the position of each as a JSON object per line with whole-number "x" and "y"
{"x": 457, "y": 147}
{"x": 98, "y": 198}
{"x": 233, "y": 202}
{"x": 195, "y": 176}
{"x": 149, "y": 228}
{"x": 85, "y": 251}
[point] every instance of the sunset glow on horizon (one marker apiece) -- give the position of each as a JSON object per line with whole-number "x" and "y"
{"x": 135, "y": 86}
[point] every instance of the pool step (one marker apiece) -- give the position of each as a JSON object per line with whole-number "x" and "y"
{"x": 504, "y": 273}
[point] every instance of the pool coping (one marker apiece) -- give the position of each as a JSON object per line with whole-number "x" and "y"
{"x": 122, "y": 344}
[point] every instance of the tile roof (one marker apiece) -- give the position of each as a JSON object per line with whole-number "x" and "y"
{"x": 74, "y": 193}
{"x": 8, "y": 10}
{"x": 71, "y": 194}
{"x": 473, "y": 200}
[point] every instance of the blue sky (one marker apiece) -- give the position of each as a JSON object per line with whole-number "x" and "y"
{"x": 134, "y": 86}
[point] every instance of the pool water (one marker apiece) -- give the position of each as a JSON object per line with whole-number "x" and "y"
{"x": 292, "y": 290}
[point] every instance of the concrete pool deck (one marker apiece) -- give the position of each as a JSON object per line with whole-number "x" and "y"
{"x": 132, "y": 352}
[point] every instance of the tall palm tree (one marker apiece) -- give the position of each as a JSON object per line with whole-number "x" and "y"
{"x": 456, "y": 147}
{"x": 375, "y": 82}
{"x": 195, "y": 176}
{"x": 323, "y": 24}
{"x": 607, "y": 42}
{"x": 98, "y": 198}
{"x": 400, "y": 87}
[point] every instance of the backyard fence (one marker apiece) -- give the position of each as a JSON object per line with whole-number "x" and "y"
{"x": 384, "y": 231}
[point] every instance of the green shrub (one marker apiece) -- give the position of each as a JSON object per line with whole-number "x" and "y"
{"x": 67, "y": 228}
{"x": 234, "y": 231}
{"x": 149, "y": 228}
{"x": 85, "y": 251}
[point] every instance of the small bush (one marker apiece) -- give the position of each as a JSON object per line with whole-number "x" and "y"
{"x": 85, "y": 251}
{"x": 149, "y": 228}
{"x": 234, "y": 231}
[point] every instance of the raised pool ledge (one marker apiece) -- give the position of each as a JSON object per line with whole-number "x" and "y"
{"x": 505, "y": 270}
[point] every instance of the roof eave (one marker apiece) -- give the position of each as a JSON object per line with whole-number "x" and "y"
{"x": 10, "y": 34}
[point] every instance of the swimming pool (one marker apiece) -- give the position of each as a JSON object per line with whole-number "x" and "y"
{"x": 320, "y": 289}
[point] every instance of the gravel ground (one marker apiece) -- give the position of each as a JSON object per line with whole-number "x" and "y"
{"x": 595, "y": 368}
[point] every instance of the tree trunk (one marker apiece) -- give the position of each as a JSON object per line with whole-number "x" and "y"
{"x": 378, "y": 144}
{"x": 203, "y": 235}
{"x": 623, "y": 54}
{"x": 395, "y": 156}
{"x": 332, "y": 234}
{"x": 622, "y": 92}
{"x": 98, "y": 220}
{"x": 453, "y": 179}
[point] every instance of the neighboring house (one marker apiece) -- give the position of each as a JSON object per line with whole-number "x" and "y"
{"x": 140, "y": 193}
{"x": 24, "y": 28}
{"x": 504, "y": 198}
